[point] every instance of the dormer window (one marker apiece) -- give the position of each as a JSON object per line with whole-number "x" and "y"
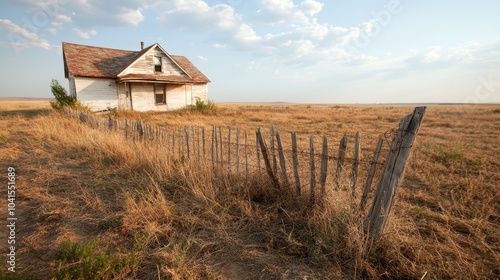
{"x": 157, "y": 63}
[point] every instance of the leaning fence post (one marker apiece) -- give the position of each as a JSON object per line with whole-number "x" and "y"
{"x": 265, "y": 156}
{"x": 258, "y": 152}
{"x": 273, "y": 152}
{"x": 393, "y": 173}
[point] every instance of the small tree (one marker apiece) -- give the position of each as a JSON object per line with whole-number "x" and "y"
{"x": 62, "y": 97}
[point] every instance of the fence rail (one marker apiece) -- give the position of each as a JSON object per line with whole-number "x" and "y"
{"x": 288, "y": 167}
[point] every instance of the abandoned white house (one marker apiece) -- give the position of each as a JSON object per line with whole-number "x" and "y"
{"x": 145, "y": 80}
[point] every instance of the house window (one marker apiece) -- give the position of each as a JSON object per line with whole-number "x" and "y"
{"x": 157, "y": 63}
{"x": 160, "y": 97}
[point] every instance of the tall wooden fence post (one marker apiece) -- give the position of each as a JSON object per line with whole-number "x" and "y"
{"x": 265, "y": 156}
{"x": 313, "y": 171}
{"x": 295, "y": 163}
{"x": 340, "y": 163}
{"x": 393, "y": 173}
{"x": 282, "y": 161}
{"x": 355, "y": 164}
{"x": 324, "y": 166}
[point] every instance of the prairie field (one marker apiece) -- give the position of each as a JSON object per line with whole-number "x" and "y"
{"x": 91, "y": 204}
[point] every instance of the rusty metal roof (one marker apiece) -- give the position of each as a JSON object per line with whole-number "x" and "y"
{"x": 97, "y": 62}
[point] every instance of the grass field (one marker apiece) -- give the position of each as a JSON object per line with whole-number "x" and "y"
{"x": 92, "y": 205}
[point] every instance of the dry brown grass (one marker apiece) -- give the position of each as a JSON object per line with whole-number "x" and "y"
{"x": 183, "y": 221}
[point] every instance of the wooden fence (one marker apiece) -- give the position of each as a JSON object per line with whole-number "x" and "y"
{"x": 288, "y": 166}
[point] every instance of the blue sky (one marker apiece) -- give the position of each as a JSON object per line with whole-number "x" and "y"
{"x": 305, "y": 51}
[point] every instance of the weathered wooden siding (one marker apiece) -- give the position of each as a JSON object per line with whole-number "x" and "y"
{"x": 143, "y": 98}
{"x": 177, "y": 96}
{"x": 124, "y": 97}
{"x": 199, "y": 91}
{"x": 145, "y": 65}
{"x": 72, "y": 91}
{"x": 98, "y": 94}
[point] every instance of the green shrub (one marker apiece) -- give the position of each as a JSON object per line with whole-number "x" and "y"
{"x": 61, "y": 96}
{"x": 64, "y": 100}
{"x": 202, "y": 105}
{"x": 89, "y": 261}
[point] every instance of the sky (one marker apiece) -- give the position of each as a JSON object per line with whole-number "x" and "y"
{"x": 300, "y": 51}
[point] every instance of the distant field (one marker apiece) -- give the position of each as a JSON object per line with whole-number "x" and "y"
{"x": 163, "y": 218}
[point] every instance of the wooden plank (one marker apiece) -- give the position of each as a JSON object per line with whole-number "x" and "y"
{"x": 198, "y": 142}
{"x": 313, "y": 171}
{"x": 216, "y": 137}
{"x": 371, "y": 173}
{"x": 214, "y": 145}
{"x": 295, "y": 163}
{"x": 237, "y": 152}
{"x": 282, "y": 161}
{"x": 180, "y": 144}
{"x": 273, "y": 152}
{"x": 355, "y": 164}
{"x": 258, "y": 152}
{"x": 246, "y": 158}
{"x": 393, "y": 173}
{"x": 340, "y": 160}
{"x": 229, "y": 149}
{"x": 267, "y": 162}
{"x": 221, "y": 148}
{"x": 324, "y": 166}
{"x": 186, "y": 130}
{"x": 203, "y": 137}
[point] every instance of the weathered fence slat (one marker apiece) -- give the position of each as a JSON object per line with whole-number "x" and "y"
{"x": 237, "y": 152}
{"x": 246, "y": 159}
{"x": 295, "y": 163}
{"x": 229, "y": 149}
{"x": 273, "y": 151}
{"x": 313, "y": 171}
{"x": 393, "y": 173}
{"x": 267, "y": 162}
{"x": 282, "y": 161}
{"x": 340, "y": 162}
{"x": 371, "y": 173}
{"x": 324, "y": 165}
{"x": 214, "y": 145}
{"x": 221, "y": 148}
{"x": 355, "y": 164}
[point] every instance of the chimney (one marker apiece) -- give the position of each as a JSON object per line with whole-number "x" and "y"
{"x": 142, "y": 46}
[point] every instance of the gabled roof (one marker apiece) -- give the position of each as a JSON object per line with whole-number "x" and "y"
{"x": 97, "y": 62}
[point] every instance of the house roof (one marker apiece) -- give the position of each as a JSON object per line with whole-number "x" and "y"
{"x": 97, "y": 62}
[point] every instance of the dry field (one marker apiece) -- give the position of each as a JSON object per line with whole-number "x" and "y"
{"x": 91, "y": 205}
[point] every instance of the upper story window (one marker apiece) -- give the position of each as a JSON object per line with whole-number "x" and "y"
{"x": 157, "y": 63}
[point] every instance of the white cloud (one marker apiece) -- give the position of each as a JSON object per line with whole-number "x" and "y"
{"x": 14, "y": 28}
{"x": 84, "y": 35}
{"x": 202, "y": 58}
{"x": 280, "y": 11}
{"x": 311, "y": 7}
{"x": 432, "y": 55}
{"x": 219, "y": 46}
{"x": 21, "y": 38}
{"x": 56, "y": 23}
{"x": 52, "y": 30}
{"x": 63, "y": 18}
